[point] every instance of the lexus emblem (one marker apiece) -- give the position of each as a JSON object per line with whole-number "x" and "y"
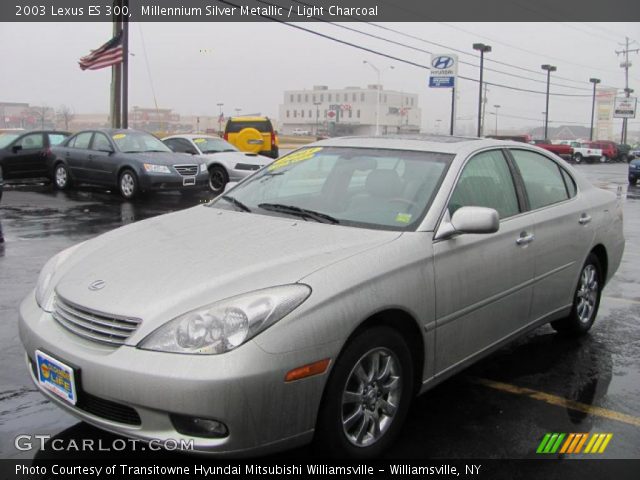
{"x": 97, "y": 285}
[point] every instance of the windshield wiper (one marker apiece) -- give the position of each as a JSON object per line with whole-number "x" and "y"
{"x": 300, "y": 212}
{"x": 236, "y": 202}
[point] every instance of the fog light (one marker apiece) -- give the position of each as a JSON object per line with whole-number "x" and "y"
{"x": 199, "y": 427}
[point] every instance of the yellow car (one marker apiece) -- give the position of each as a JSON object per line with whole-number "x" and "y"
{"x": 252, "y": 134}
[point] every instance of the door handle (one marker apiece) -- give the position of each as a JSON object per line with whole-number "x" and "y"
{"x": 525, "y": 238}
{"x": 584, "y": 219}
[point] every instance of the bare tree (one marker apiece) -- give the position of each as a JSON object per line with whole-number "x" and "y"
{"x": 65, "y": 115}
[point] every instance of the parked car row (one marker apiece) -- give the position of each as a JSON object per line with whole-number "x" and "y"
{"x": 132, "y": 161}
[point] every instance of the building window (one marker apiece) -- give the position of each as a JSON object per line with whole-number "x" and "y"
{"x": 349, "y": 113}
{"x": 325, "y": 114}
{"x": 310, "y": 114}
{"x": 306, "y": 98}
{"x": 358, "y": 114}
{"x": 299, "y": 98}
{"x": 362, "y": 97}
{"x": 287, "y": 113}
{"x": 329, "y": 96}
{"x": 314, "y": 98}
{"x": 302, "y": 113}
{"x": 291, "y": 98}
{"x": 353, "y": 97}
{"x": 321, "y": 97}
{"x": 295, "y": 114}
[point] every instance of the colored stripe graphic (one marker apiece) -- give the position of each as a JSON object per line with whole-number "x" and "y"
{"x": 553, "y": 443}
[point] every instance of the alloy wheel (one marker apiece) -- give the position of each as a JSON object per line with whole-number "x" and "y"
{"x": 61, "y": 177}
{"x": 587, "y": 293}
{"x": 127, "y": 185}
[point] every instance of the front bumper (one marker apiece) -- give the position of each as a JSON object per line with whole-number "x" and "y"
{"x": 172, "y": 181}
{"x": 244, "y": 388}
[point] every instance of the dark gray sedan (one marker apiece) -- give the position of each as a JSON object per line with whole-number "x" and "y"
{"x": 132, "y": 160}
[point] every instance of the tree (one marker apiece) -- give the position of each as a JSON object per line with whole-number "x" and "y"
{"x": 65, "y": 115}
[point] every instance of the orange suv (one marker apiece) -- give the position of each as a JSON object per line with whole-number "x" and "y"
{"x": 252, "y": 134}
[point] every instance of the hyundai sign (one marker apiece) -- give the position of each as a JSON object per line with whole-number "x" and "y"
{"x": 444, "y": 68}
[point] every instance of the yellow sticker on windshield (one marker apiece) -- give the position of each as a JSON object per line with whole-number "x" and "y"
{"x": 403, "y": 218}
{"x": 118, "y": 136}
{"x": 199, "y": 140}
{"x": 295, "y": 157}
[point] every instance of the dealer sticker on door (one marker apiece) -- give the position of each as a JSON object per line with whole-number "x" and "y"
{"x": 56, "y": 377}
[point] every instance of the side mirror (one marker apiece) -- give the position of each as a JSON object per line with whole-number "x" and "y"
{"x": 191, "y": 151}
{"x": 229, "y": 186}
{"x": 475, "y": 220}
{"x": 469, "y": 220}
{"x": 16, "y": 148}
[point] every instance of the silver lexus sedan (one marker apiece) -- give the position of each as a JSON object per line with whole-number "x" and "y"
{"x": 314, "y": 299}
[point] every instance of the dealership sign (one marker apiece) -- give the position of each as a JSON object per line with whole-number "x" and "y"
{"x": 444, "y": 69}
{"x": 625, "y": 107}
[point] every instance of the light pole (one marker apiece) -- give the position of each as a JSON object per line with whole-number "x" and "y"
{"x": 317, "y": 104}
{"x": 220, "y": 105}
{"x": 549, "y": 69}
{"x": 482, "y": 48}
{"x": 595, "y": 82}
{"x": 496, "y": 107}
{"x": 543, "y": 119}
{"x": 377, "y": 96}
{"x": 627, "y": 93}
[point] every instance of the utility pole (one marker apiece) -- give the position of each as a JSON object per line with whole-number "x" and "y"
{"x": 484, "y": 109}
{"x": 626, "y": 64}
{"x": 482, "y": 48}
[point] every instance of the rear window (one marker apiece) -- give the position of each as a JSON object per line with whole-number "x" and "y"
{"x": 56, "y": 138}
{"x": 260, "y": 125}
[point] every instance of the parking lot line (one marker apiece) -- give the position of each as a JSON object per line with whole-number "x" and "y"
{"x": 620, "y": 299}
{"x": 559, "y": 401}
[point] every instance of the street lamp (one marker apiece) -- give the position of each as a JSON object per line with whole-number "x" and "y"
{"x": 378, "y": 86}
{"x": 496, "y": 107}
{"x": 595, "y": 82}
{"x": 549, "y": 69}
{"x": 220, "y": 105}
{"x": 482, "y": 48}
{"x": 317, "y": 104}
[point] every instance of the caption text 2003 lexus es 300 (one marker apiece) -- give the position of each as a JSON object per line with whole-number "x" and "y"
{"x": 318, "y": 296}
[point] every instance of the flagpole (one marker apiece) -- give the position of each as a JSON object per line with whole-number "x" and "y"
{"x": 125, "y": 66}
{"x": 116, "y": 84}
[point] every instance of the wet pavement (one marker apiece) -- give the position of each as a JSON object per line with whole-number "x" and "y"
{"x": 499, "y": 408}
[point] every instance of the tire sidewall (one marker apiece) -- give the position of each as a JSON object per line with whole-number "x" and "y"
{"x": 330, "y": 438}
{"x": 55, "y": 176}
{"x": 223, "y": 172}
{"x": 136, "y": 186}
{"x": 577, "y": 158}
{"x": 574, "y": 322}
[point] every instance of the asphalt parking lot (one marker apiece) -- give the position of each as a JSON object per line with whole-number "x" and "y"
{"x": 499, "y": 408}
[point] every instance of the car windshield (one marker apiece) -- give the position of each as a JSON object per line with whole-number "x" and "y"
{"x": 138, "y": 142}
{"x": 7, "y": 138}
{"x": 361, "y": 187}
{"x": 213, "y": 145}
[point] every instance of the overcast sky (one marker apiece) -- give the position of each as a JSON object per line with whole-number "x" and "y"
{"x": 194, "y": 66}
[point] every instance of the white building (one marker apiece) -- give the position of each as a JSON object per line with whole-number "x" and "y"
{"x": 349, "y": 111}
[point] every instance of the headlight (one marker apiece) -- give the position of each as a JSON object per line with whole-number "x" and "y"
{"x": 227, "y": 324}
{"x": 203, "y": 167}
{"x": 44, "y": 289}
{"x": 153, "y": 168}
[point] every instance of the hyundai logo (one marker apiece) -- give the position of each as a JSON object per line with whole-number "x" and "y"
{"x": 97, "y": 285}
{"x": 442, "y": 62}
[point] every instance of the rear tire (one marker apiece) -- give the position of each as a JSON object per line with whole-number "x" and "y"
{"x": 128, "y": 184}
{"x": 61, "y": 177}
{"x": 586, "y": 300}
{"x": 604, "y": 159}
{"x": 367, "y": 396}
{"x": 633, "y": 181}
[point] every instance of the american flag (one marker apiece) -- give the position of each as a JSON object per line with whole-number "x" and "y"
{"x": 111, "y": 53}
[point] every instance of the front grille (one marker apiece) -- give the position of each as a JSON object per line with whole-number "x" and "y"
{"x": 247, "y": 166}
{"x": 100, "y": 407}
{"x": 95, "y": 326}
{"x": 186, "y": 170}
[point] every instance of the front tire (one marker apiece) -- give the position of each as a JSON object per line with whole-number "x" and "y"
{"x": 577, "y": 158}
{"x": 128, "y": 184}
{"x": 218, "y": 179}
{"x": 367, "y": 396}
{"x": 61, "y": 177}
{"x": 633, "y": 180}
{"x": 586, "y": 300}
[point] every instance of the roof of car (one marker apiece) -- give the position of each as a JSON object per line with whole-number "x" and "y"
{"x": 247, "y": 119}
{"x": 433, "y": 143}
{"x": 193, "y": 135}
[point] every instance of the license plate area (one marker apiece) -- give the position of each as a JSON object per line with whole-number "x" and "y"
{"x": 188, "y": 181}
{"x": 56, "y": 377}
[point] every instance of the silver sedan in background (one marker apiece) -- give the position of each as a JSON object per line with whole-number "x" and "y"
{"x": 225, "y": 162}
{"x": 316, "y": 298}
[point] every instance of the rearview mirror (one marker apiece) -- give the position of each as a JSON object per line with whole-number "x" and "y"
{"x": 475, "y": 220}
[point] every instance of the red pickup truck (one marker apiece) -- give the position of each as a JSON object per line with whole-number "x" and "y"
{"x": 564, "y": 151}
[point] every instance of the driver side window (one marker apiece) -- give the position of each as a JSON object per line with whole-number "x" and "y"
{"x": 486, "y": 181}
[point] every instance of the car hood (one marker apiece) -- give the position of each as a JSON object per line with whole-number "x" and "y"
{"x": 164, "y": 158}
{"x": 237, "y": 157}
{"x": 163, "y": 267}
